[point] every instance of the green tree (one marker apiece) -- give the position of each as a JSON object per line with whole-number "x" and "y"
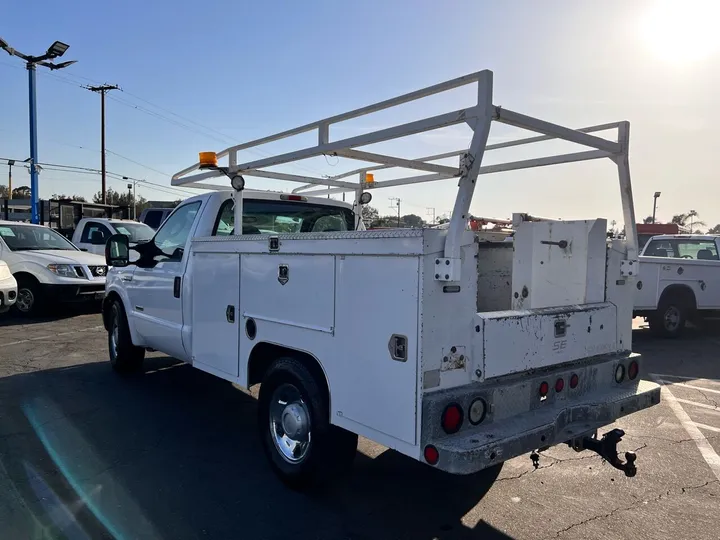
{"x": 3, "y": 192}
{"x": 22, "y": 192}
{"x": 78, "y": 198}
{"x": 411, "y": 220}
{"x": 120, "y": 198}
{"x": 648, "y": 219}
{"x": 714, "y": 230}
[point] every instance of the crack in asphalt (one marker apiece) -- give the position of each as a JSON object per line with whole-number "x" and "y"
{"x": 638, "y": 502}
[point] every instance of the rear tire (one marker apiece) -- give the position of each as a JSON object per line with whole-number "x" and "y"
{"x": 303, "y": 449}
{"x": 670, "y": 318}
{"x": 30, "y": 302}
{"x": 124, "y": 356}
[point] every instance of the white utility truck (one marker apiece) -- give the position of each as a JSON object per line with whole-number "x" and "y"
{"x": 386, "y": 334}
{"x": 679, "y": 281}
{"x": 91, "y": 234}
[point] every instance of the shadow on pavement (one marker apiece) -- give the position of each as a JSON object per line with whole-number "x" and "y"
{"x": 174, "y": 454}
{"x": 694, "y": 354}
{"x": 55, "y": 313}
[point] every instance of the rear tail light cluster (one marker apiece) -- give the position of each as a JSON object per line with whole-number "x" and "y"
{"x": 631, "y": 372}
{"x": 452, "y": 418}
{"x": 559, "y": 385}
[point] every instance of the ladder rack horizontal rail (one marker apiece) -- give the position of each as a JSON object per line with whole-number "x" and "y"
{"x": 486, "y": 169}
{"x": 399, "y": 162}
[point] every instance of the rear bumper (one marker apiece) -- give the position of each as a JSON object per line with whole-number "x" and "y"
{"x": 74, "y": 293}
{"x": 482, "y": 447}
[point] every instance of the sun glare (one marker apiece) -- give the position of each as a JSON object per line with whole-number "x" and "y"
{"x": 682, "y": 31}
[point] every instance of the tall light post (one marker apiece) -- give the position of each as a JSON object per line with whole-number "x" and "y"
{"x": 655, "y": 198}
{"x": 56, "y": 50}
{"x": 11, "y": 162}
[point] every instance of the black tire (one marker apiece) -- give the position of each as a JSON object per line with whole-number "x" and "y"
{"x": 670, "y": 318}
{"x": 30, "y": 301}
{"x": 325, "y": 452}
{"x": 124, "y": 356}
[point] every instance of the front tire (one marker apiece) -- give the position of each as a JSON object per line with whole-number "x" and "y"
{"x": 669, "y": 320}
{"x": 303, "y": 449}
{"x": 124, "y": 356}
{"x": 30, "y": 301}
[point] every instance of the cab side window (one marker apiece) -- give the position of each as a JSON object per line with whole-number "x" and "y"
{"x": 94, "y": 230}
{"x": 173, "y": 235}
{"x": 225, "y": 222}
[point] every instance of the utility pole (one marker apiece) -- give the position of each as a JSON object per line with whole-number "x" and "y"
{"x": 430, "y": 211}
{"x": 102, "y": 90}
{"x": 655, "y": 198}
{"x": 394, "y": 201}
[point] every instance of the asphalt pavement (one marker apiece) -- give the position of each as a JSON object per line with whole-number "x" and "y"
{"x": 174, "y": 454}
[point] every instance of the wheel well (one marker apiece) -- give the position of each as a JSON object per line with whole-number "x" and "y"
{"x": 264, "y": 354}
{"x": 107, "y": 302}
{"x": 25, "y": 276}
{"x": 679, "y": 293}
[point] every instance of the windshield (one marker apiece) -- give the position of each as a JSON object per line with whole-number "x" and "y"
{"x": 26, "y": 238}
{"x": 136, "y": 232}
{"x": 277, "y": 217}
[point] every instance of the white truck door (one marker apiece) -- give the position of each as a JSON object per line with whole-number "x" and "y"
{"x": 93, "y": 237}
{"x": 155, "y": 294}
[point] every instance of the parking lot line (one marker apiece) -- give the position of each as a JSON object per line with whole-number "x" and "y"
{"x": 706, "y": 450}
{"x": 684, "y": 378}
{"x": 40, "y": 338}
{"x": 692, "y": 386}
{"x": 696, "y": 404}
{"x": 708, "y": 428}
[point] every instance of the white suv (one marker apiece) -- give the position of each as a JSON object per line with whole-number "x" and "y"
{"x": 48, "y": 267}
{"x": 8, "y": 288}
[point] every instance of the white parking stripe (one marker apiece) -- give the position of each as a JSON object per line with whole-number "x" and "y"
{"x": 685, "y": 378}
{"x": 683, "y": 385}
{"x": 701, "y": 405}
{"x": 709, "y": 428}
{"x": 50, "y": 337}
{"x": 706, "y": 450}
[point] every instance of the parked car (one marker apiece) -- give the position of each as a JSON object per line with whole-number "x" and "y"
{"x": 679, "y": 281}
{"x": 92, "y": 233}
{"x": 49, "y": 268}
{"x": 8, "y": 288}
{"x": 154, "y": 217}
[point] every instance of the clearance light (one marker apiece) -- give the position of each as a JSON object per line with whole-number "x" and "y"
{"x": 208, "y": 160}
{"x": 574, "y": 380}
{"x": 292, "y": 198}
{"x": 431, "y": 454}
{"x": 559, "y": 385}
{"x": 544, "y": 389}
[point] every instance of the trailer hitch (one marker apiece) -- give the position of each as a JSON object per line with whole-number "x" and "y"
{"x": 607, "y": 449}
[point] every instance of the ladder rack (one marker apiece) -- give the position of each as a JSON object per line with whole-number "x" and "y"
{"x": 478, "y": 117}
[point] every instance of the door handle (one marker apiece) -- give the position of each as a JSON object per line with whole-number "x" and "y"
{"x": 126, "y": 278}
{"x": 230, "y": 314}
{"x": 176, "y": 287}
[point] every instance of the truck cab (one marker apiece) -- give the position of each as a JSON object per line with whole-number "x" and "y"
{"x": 92, "y": 233}
{"x": 679, "y": 281}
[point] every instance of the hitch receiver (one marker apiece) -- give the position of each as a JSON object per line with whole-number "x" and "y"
{"x": 607, "y": 449}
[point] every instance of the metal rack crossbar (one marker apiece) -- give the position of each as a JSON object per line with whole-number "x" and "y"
{"x": 478, "y": 117}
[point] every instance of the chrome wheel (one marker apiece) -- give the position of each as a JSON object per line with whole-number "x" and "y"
{"x": 672, "y": 318}
{"x": 25, "y": 300}
{"x": 290, "y": 423}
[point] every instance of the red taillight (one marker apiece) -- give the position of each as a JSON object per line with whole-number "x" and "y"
{"x": 431, "y": 454}
{"x": 633, "y": 370}
{"x": 574, "y": 380}
{"x": 544, "y": 388}
{"x": 293, "y": 198}
{"x": 559, "y": 385}
{"x": 452, "y": 418}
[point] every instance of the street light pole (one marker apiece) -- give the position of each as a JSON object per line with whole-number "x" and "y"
{"x": 655, "y": 198}
{"x": 56, "y": 50}
{"x": 11, "y": 162}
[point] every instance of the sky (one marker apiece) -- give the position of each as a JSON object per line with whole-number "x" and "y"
{"x": 204, "y": 76}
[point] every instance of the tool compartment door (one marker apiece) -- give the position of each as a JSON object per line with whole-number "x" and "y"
{"x": 215, "y": 306}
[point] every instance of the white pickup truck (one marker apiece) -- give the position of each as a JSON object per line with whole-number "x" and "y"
{"x": 48, "y": 268}
{"x": 91, "y": 234}
{"x": 679, "y": 281}
{"x": 384, "y": 333}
